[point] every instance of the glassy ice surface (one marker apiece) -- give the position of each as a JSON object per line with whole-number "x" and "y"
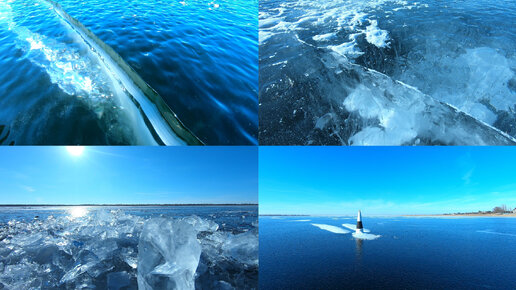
{"x": 387, "y": 72}
{"x": 200, "y": 56}
{"x": 397, "y": 253}
{"x": 146, "y": 247}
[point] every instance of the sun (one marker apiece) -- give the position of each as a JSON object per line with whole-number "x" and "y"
{"x": 75, "y": 150}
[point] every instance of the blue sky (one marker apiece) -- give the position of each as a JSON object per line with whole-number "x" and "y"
{"x": 385, "y": 180}
{"x": 50, "y": 175}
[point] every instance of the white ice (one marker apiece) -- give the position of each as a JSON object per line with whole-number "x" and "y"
{"x": 496, "y": 233}
{"x": 376, "y": 36}
{"x": 346, "y": 49}
{"x": 332, "y": 229}
{"x": 364, "y": 236}
{"x": 402, "y": 115}
{"x": 324, "y": 37}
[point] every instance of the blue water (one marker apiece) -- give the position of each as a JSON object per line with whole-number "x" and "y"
{"x": 200, "y": 56}
{"x": 99, "y": 247}
{"x": 412, "y": 253}
{"x": 384, "y": 72}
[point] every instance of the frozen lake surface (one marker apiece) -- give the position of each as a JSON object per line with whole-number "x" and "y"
{"x": 387, "y": 72}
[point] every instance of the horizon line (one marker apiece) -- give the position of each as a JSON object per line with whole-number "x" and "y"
{"x": 391, "y": 214}
{"x": 133, "y": 204}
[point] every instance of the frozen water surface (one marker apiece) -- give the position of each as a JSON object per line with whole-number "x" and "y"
{"x": 145, "y": 247}
{"x": 387, "y": 72}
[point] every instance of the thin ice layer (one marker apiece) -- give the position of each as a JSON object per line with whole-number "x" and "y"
{"x": 354, "y": 105}
{"x": 480, "y": 81}
{"x": 404, "y": 115}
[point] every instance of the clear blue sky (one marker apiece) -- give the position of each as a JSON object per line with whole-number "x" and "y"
{"x": 50, "y": 175}
{"x": 385, "y": 180}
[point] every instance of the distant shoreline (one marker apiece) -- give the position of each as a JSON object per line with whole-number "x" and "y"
{"x": 509, "y": 215}
{"x": 157, "y": 204}
{"x": 285, "y": 215}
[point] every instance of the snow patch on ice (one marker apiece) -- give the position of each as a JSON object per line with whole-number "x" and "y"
{"x": 376, "y": 36}
{"x": 346, "y": 49}
{"x": 357, "y": 19}
{"x": 324, "y": 37}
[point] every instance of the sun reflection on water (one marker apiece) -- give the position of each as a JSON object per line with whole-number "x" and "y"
{"x": 78, "y": 211}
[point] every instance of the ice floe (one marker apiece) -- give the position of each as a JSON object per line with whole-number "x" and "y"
{"x": 365, "y": 236}
{"x": 333, "y": 229}
{"x": 496, "y": 233}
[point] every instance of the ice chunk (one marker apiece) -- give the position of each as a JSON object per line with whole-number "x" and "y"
{"x": 168, "y": 254}
{"x": 364, "y": 236}
{"x": 231, "y": 259}
{"x": 104, "y": 248}
{"x": 130, "y": 257}
{"x": 242, "y": 248}
{"x": 332, "y": 229}
{"x": 85, "y": 261}
{"x": 202, "y": 225}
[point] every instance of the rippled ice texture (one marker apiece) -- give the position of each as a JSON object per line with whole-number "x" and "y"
{"x": 387, "y": 72}
{"x": 151, "y": 249}
{"x": 200, "y": 55}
